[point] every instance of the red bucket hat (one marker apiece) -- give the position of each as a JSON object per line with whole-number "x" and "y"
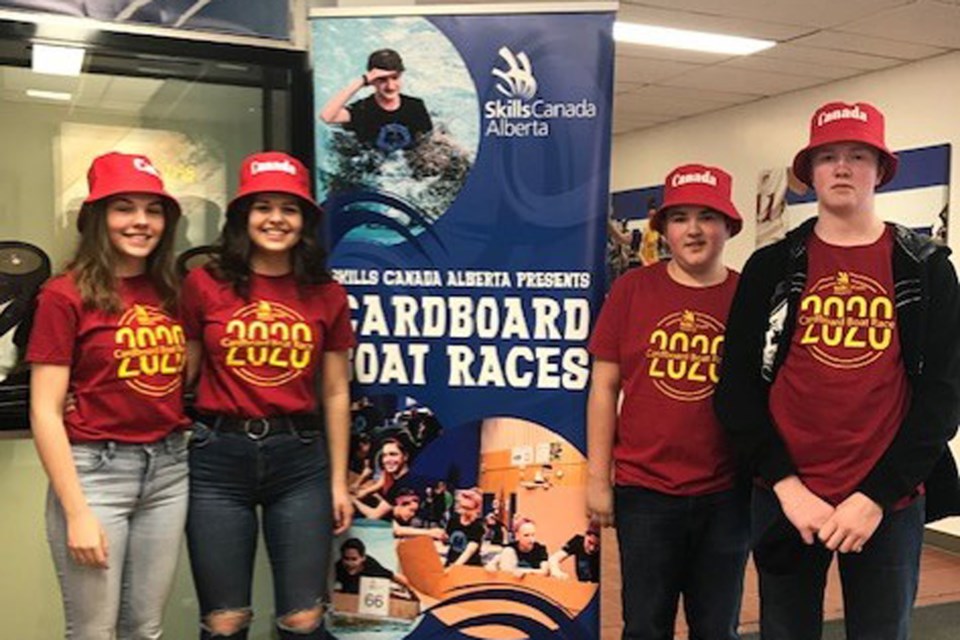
{"x": 702, "y": 186}
{"x": 114, "y": 173}
{"x": 842, "y": 122}
{"x": 276, "y": 172}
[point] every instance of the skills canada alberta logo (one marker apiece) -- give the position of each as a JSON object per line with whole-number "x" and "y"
{"x": 520, "y": 113}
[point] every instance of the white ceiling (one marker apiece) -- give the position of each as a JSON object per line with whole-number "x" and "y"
{"x": 819, "y": 41}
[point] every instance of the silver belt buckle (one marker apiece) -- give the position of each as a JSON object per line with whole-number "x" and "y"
{"x": 256, "y": 428}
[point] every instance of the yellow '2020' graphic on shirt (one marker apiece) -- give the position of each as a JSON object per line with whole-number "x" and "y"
{"x": 151, "y": 352}
{"x": 268, "y": 343}
{"x": 684, "y": 355}
{"x": 847, "y": 320}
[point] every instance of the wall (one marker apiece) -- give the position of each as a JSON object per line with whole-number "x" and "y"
{"x": 920, "y": 102}
{"x": 29, "y": 593}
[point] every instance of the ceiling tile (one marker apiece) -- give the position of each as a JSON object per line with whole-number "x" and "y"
{"x": 926, "y": 21}
{"x": 717, "y": 22}
{"x": 646, "y": 70}
{"x": 683, "y": 93}
{"x": 725, "y": 78}
{"x": 816, "y": 55}
{"x": 845, "y": 41}
{"x": 816, "y": 13}
{"x": 635, "y": 105}
{"x": 793, "y": 67}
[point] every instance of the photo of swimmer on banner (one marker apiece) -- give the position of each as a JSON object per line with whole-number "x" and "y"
{"x": 401, "y": 133}
{"x": 918, "y": 196}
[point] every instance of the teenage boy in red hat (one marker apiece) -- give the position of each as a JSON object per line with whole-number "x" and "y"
{"x": 682, "y": 519}
{"x": 840, "y": 387}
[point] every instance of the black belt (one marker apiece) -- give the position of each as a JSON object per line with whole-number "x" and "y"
{"x": 259, "y": 428}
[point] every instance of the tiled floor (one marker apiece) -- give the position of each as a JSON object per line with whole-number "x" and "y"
{"x": 939, "y": 582}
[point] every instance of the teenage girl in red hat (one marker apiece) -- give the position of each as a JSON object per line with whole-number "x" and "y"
{"x": 271, "y": 324}
{"x": 106, "y": 331}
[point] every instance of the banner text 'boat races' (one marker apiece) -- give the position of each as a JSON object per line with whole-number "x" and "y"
{"x": 526, "y": 339}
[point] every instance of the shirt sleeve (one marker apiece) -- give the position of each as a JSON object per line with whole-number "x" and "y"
{"x": 54, "y": 332}
{"x": 607, "y": 333}
{"x": 475, "y": 533}
{"x": 374, "y": 569}
{"x": 339, "y": 336}
{"x": 191, "y": 306}
{"x": 541, "y": 555}
{"x": 355, "y": 109}
{"x": 424, "y": 124}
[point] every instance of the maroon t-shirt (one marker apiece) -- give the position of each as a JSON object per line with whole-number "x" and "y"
{"x": 260, "y": 355}
{"x": 126, "y": 369}
{"x": 842, "y": 391}
{"x": 668, "y": 340}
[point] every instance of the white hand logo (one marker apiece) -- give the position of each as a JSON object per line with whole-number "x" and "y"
{"x": 518, "y": 80}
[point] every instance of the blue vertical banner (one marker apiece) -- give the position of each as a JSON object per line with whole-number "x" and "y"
{"x": 463, "y": 165}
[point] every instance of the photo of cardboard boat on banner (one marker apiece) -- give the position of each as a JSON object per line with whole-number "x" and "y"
{"x": 463, "y": 163}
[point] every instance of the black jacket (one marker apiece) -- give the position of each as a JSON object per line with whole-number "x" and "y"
{"x": 759, "y": 332}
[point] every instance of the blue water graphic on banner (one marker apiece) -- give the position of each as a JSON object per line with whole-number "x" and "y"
{"x": 466, "y": 220}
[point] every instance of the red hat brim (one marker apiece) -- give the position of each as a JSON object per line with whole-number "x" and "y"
{"x": 802, "y": 168}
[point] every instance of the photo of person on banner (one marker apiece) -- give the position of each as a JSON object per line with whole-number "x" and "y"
{"x": 659, "y": 464}
{"x": 585, "y": 551}
{"x": 354, "y": 563}
{"x": 387, "y": 119}
{"x": 397, "y": 130}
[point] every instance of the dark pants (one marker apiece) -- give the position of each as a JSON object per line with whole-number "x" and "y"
{"x": 879, "y": 583}
{"x": 287, "y": 476}
{"x": 672, "y": 545}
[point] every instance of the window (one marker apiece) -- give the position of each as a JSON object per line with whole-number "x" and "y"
{"x": 195, "y": 108}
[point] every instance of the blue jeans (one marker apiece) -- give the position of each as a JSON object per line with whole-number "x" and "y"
{"x": 139, "y": 495}
{"x": 879, "y": 584}
{"x": 691, "y": 545}
{"x": 286, "y": 475}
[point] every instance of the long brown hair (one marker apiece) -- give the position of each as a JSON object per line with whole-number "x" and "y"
{"x": 94, "y": 262}
{"x": 234, "y": 250}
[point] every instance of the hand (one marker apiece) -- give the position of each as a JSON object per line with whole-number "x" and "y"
{"x": 69, "y": 403}
{"x": 852, "y": 524}
{"x": 377, "y": 74}
{"x": 437, "y": 533}
{"x": 86, "y": 540}
{"x": 342, "y": 509}
{"x": 600, "y": 501}
{"x": 805, "y": 510}
{"x": 562, "y": 575}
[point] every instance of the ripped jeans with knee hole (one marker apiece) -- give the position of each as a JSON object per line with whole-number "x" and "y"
{"x": 237, "y": 484}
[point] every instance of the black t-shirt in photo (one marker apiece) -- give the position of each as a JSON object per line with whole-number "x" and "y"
{"x": 460, "y": 536}
{"x": 530, "y": 559}
{"x": 587, "y": 564}
{"x": 389, "y": 130}
{"x": 371, "y": 569}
